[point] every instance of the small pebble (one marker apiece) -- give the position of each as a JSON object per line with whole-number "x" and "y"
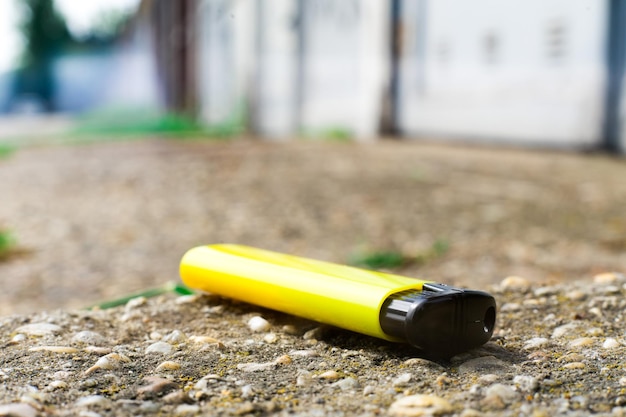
{"x": 610, "y": 343}
{"x": 283, "y": 360}
{"x": 574, "y": 365}
{"x": 304, "y": 353}
{"x": 622, "y": 381}
{"x": 255, "y": 367}
{"x": 289, "y": 329}
{"x": 565, "y": 330}
{"x": 369, "y": 389}
{"x": 39, "y": 329}
{"x": 606, "y": 278}
{"x": 177, "y": 397}
{"x": 188, "y": 299}
{"x": 483, "y": 364}
{"x": 498, "y": 396}
{"x": 402, "y": 380}
{"x": 443, "y": 380}
{"x": 92, "y": 401}
{"x": 304, "y": 379}
{"x": 88, "y": 413}
{"x": 98, "y": 350}
{"x": 61, "y": 375}
{"x": 270, "y": 338}
{"x": 515, "y": 283}
{"x": 18, "y": 338}
{"x": 510, "y": 307}
{"x": 470, "y": 412}
{"x": 185, "y": 409}
{"x": 595, "y": 331}
{"x": 423, "y": 362}
{"x": 156, "y": 385}
{"x": 526, "y": 383}
{"x": 596, "y": 312}
{"x": 535, "y": 342}
{"x": 17, "y": 410}
{"x": 108, "y": 362}
{"x": 420, "y": 405}
{"x": 258, "y": 324}
{"x": 159, "y": 347}
{"x": 329, "y": 375}
{"x": 89, "y": 338}
{"x": 488, "y": 379}
{"x": 168, "y": 366}
{"x": 135, "y": 302}
{"x": 315, "y": 333}
{"x": 176, "y": 337}
{"x": 581, "y": 342}
{"x": 576, "y": 295}
{"x": 53, "y": 349}
{"x": 346, "y": 384}
{"x": 247, "y": 391}
{"x": 571, "y": 357}
{"x": 206, "y": 340}
{"x": 54, "y": 385}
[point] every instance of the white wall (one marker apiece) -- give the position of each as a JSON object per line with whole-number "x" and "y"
{"x": 345, "y": 65}
{"x": 323, "y": 72}
{"x": 224, "y": 36}
{"x": 274, "y": 84}
{"x": 518, "y": 70}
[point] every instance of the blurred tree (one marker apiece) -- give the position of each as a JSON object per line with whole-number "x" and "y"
{"x": 45, "y": 35}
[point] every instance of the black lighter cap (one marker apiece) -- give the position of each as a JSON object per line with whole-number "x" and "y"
{"x": 440, "y": 320}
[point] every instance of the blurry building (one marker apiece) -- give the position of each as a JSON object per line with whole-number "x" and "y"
{"x": 525, "y": 72}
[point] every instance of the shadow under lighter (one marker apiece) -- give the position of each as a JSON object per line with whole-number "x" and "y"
{"x": 440, "y": 320}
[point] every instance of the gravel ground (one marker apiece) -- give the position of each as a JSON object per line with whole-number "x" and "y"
{"x": 541, "y": 231}
{"x": 558, "y": 350}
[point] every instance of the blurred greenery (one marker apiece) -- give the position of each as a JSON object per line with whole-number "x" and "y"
{"x": 393, "y": 259}
{"x": 331, "y": 134}
{"x": 7, "y": 244}
{"x": 380, "y": 260}
{"x": 129, "y": 122}
{"x": 6, "y": 150}
{"x": 169, "y": 287}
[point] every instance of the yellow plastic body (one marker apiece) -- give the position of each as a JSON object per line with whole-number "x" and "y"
{"x": 338, "y": 295}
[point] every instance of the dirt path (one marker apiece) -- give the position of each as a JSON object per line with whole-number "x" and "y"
{"x": 99, "y": 221}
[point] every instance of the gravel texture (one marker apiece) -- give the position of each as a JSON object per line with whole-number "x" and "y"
{"x": 557, "y": 350}
{"x": 541, "y": 231}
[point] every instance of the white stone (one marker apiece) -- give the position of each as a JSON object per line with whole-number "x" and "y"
{"x": 176, "y": 337}
{"x": 159, "y": 347}
{"x": 526, "y": 383}
{"x": 505, "y": 393}
{"x": 17, "y": 410}
{"x": 255, "y": 367}
{"x": 402, "y": 380}
{"x": 610, "y": 343}
{"x": 420, "y": 405}
{"x": 92, "y": 400}
{"x": 185, "y": 409}
{"x": 515, "y": 283}
{"x": 39, "y": 329}
{"x": 565, "y": 330}
{"x": 258, "y": 324}
{"x": 535, "y": 343}
{"x": 87, "y": 337}
{"x": 346, "y": 384}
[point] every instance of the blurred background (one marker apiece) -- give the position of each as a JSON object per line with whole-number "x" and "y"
{"x": 432, "y": 138}
{"x": 513, "y": 72}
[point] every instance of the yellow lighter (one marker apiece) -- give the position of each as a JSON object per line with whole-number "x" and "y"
{"x": 438, "y": 319}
